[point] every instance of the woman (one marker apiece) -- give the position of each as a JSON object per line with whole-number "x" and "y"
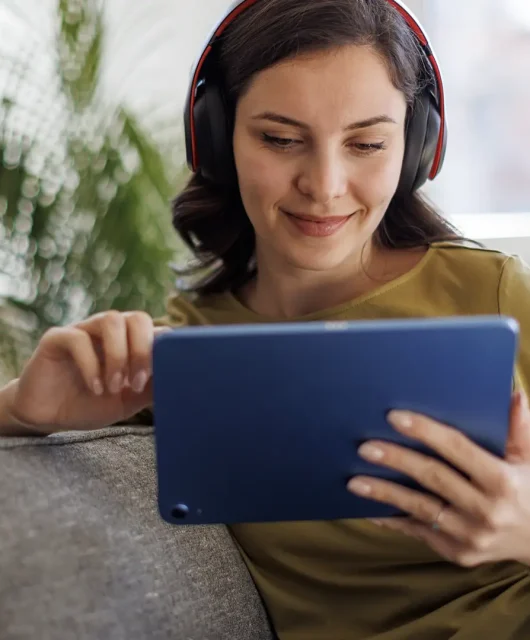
{"x": 304, "y": 206}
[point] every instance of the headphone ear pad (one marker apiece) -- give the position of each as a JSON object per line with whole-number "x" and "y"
{"x": 421, "y": 143}
{"x": 213, "y": 136}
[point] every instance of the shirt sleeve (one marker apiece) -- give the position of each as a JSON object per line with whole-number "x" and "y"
{"x": 514, "y": 301}
{"x": 180, "y": 312}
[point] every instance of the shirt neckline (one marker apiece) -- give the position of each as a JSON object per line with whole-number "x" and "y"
{"x": 253, "y": 316}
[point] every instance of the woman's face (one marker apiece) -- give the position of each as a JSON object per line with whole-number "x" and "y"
{"x": 319, "y": 144}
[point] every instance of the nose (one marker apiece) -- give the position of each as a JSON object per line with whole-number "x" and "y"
{"x": 324, "y": 176}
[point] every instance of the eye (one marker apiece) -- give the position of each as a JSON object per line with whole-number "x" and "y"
{"x": 280, "y": 143}
{"x": 369, "y": 148}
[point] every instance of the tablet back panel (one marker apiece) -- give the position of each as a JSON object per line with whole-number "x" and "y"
{"x": 262, "y": 423}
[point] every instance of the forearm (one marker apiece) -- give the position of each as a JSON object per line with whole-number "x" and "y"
{"x": 8, "y": 425}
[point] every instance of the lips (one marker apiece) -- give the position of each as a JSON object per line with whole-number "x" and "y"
{"x": 318, "y": 219}
{"x": 316, "y": 226}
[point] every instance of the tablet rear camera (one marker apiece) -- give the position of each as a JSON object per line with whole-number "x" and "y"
{"x": 180, "y": 512}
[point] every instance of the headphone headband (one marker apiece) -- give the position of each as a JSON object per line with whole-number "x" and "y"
{"x": 239, "y": 7}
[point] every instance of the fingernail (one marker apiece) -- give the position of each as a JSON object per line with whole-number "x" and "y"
{"x": 370, "y": 452}
{"x": 400, "y": 419}
{"x": 98, "y": 387}
{"x": 360, "y": 487}
{"x": 139, "y": 382}
{"x": 116, "y": 383}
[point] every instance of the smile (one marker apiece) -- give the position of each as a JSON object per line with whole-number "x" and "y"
{"x": 316, "y": 227}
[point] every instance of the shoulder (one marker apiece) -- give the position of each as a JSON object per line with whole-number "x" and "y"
{"x": 514, "y": 288}
{"x": 480, "y": 279}
{"x": 470, "y": 260}
{"x": 486, "y": 264}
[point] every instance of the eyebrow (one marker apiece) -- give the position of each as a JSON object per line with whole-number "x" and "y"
{"x": 362, "y": 124}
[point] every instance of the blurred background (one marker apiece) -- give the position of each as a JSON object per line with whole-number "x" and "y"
{"x": 91, "y": 145}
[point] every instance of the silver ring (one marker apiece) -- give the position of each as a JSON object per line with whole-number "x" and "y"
{"x": 436, "y": 522}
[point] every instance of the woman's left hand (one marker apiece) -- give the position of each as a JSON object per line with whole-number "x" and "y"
{"x": 482, "y": 516}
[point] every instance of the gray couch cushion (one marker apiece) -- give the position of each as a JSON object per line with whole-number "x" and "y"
{"x": 84, "y": 554}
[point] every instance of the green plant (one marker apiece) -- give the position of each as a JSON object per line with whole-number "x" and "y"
{"x": 84, "y": 191}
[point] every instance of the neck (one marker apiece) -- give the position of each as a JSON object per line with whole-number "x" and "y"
{"x": 285, "y": 292}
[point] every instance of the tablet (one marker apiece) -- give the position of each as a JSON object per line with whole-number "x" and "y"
{"x": 262, "y": 423}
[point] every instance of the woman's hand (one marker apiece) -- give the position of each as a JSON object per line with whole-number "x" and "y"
{"x": 485, "y": 518}
{"x": 87, "y": 375}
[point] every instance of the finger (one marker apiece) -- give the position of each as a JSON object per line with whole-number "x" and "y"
{"x": 422, "y": 507}
{"x": 403, "y": 525}
{"x": 137, "y": 402}
{"x": 442, "y": 544}
{"x": 79, "y": 347}
{"x": 432, "y": 474}
{"x": 140, "y": 333}
{"x": 483, "y": 468}
{"x": 110, "y": 327}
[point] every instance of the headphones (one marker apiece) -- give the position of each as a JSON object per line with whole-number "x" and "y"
{"x": 208, "y": 128}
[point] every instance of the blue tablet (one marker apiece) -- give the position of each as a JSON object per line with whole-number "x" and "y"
{"x": 262, "y": 423}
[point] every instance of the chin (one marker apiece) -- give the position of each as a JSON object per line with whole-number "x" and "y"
{"x": 321, "y": 260}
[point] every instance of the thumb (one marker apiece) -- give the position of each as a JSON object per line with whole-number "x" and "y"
{"x": 518, "y": 444}
{"x": 134, "y": 404}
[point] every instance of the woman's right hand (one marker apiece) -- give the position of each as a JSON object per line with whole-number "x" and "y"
{"x": 87, "y": 375}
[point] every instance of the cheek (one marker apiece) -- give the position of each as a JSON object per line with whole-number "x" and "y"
{"x": 380, "y": 181}
{"x": 261, "y": 180}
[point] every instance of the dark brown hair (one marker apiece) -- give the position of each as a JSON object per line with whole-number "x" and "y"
{"x": 211, "y": 219}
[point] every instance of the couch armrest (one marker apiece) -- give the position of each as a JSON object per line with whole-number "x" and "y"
{"x": 85, "y": 554}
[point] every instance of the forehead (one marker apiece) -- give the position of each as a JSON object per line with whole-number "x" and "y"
{"x": 328, "y": 86}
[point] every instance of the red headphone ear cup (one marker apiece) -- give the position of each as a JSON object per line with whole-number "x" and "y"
{"x": 421, "y": 143}
{"x": 208, "y": 130}
{"x": 213, "y": 137}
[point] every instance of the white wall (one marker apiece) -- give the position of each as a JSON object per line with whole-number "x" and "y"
{"x": 508, "y": 232}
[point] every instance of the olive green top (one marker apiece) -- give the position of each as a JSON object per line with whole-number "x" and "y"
{"x": 350, "y": 580}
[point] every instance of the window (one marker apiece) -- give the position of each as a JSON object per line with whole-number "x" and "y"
{"x": 483, "y": 47}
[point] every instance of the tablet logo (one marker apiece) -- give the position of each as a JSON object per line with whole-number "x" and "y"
{"x": 336, "y": 326}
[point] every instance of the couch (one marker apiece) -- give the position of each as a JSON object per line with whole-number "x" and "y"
{"x": 84, "y": 554}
